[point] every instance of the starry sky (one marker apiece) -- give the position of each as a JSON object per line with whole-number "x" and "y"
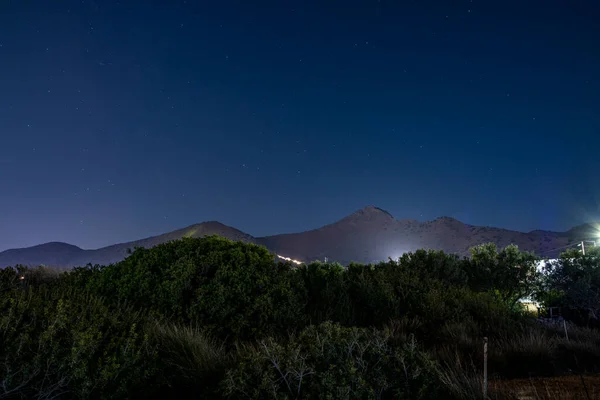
{"x": 125, "y": 119}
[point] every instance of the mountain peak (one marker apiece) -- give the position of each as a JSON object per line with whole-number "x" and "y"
{"x": 446, "y": 219}
{"x": 56, "y": 246}
{"x": 372, "y": 208}
{"x": 371, "y": 212}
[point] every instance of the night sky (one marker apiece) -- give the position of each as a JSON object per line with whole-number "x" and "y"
{"x": 122, "y": 120}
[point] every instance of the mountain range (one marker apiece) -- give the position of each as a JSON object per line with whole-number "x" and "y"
{"x": 367, "y": 235}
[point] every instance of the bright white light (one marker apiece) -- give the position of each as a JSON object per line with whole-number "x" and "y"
{"x": 397, "y": 254}
{"x": 289, "y": 259}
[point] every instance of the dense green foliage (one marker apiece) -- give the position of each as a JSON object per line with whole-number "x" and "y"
{"x": 216, "y": 318}
{"x": 329, "y": 361}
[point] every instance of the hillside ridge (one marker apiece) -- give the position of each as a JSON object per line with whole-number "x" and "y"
{"x": 367, "y": 235}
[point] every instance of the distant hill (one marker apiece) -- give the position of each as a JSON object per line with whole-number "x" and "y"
{"x": 370, "y": 234}
{"x": 62, "y": 254}
{"x": 54, "y": 253}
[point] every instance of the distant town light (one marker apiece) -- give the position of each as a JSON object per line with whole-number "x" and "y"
{"x": 289, "y": 259}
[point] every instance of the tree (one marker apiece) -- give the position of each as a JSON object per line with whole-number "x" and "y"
{"x": 509, "y": 272}
{"x": 435, "y": 264}
{"x": 576, "y": 280}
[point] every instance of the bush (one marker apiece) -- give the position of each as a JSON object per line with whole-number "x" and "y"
{"x": 249, "y": 297}
{"x": 9, "y": 280}
{"x": 164, "y": 278}
{"x": 54, "y": 343}
{"x": 230, "y": 288}
{"x": 329, "y": 361}
{"x": 327, "y": 297}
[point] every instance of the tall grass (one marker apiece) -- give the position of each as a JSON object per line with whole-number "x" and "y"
{"x": 193, "y": 360}
{"x": 461, "y": 379}
{"x": 189, "y": 350}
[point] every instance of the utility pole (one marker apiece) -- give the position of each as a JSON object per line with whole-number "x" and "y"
{"x": 485, "y": 369}
{"x": 582, "y": 244}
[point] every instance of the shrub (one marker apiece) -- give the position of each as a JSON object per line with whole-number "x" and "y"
{"x": 249, "y": 297}
{"x": 53, "y": 343}
{"x": 9, "y": 280}
{"x": 329, "y": 361}
{"x": 372, "y": 295}
{"x": 435, "y": 265}
{"x": 327, "y": 296}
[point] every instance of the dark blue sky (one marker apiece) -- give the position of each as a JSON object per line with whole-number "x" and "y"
{"x": 121, "y": 120}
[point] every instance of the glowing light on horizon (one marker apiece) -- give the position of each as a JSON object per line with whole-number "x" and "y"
{"x": 289, "y": 259}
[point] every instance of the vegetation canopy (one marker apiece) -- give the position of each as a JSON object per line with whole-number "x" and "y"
{"x": 215, "y": 318}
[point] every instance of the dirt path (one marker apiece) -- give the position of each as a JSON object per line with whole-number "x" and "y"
{"x": 564, "y": 387}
